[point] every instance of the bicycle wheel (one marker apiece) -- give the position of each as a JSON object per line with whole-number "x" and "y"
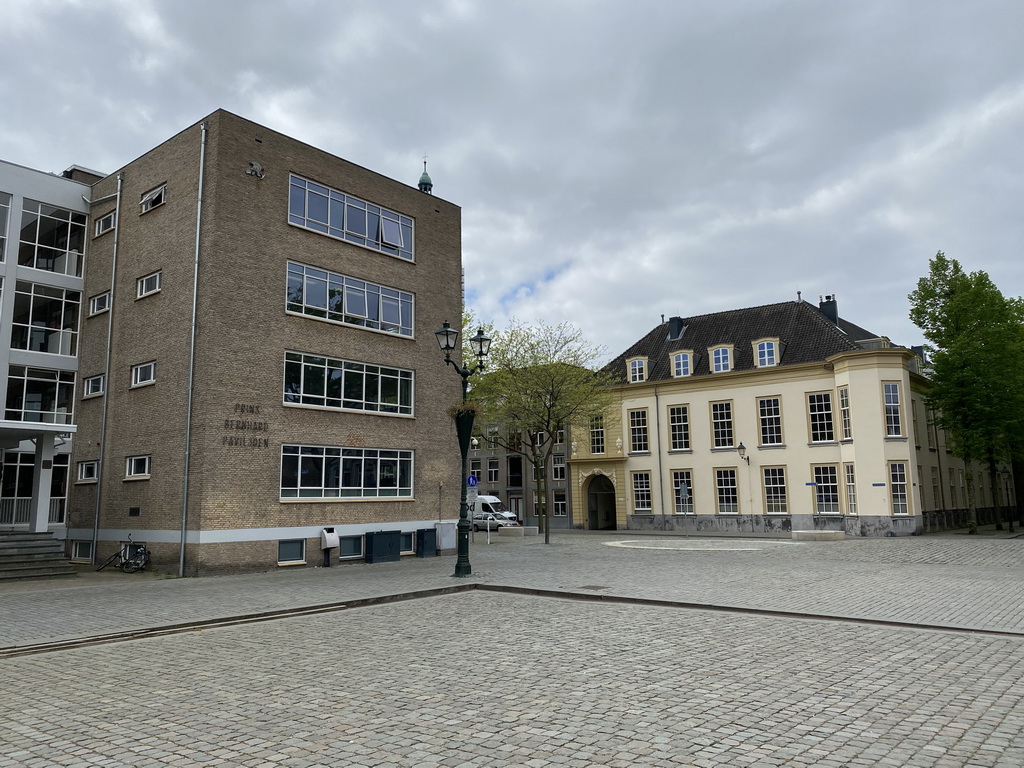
{"x": 109, "y": 560}
{"x": 132, "y": 564}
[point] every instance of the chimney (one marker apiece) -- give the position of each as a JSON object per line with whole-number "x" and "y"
{"x": 829, "y": 308}
{"x": 675, "y": 328}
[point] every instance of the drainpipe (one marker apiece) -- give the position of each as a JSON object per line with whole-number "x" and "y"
{"x": 106, "y": 365}
{"x": 657, "y": 433}
{"x": 191, "y": 358}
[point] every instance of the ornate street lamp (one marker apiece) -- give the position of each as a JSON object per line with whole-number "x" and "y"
{"x": 447, "y": 337}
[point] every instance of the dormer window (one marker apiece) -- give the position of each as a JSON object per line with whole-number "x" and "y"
{"x": 766, "y": 353}
{"x": 637, "y": 370}
{"x": 721, "y": 359}
{"x": 682, "y": 364}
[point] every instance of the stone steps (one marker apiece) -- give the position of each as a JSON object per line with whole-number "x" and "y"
{"x": 32, "y": 556}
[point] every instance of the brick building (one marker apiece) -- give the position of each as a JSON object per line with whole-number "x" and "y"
{"x": 256, "y": 354}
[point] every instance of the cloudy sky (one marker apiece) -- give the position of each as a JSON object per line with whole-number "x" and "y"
{"x": 615, "y": 160}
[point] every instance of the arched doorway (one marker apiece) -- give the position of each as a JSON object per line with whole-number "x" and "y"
{"x": 601, "y": 504}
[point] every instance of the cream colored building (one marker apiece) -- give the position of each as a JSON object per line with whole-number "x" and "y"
{"x": 766, "y": 421}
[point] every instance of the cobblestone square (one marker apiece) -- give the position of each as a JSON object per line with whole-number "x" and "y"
{"x": 486, "y": 678}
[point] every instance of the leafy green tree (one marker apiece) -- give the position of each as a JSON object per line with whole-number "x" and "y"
{"x": 977, "y": 364}
{"x": 540, "y": 379}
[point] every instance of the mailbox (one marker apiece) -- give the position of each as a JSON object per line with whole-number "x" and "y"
{"x": 328, "y": 538}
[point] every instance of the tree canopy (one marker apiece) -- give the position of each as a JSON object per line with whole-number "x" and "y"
{"x": 540, "y": 379}
{"x": 976, "y": 350}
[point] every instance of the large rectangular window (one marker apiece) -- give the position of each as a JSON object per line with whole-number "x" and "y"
{"x": 679, "y": 427}
{"x": 819, "y": 410}
{"x": 638, "y": 442}
{"x": 893, "y": 423}
{"x": 682, "y": 486}
{"x": 340, "y": 299}
{"x": 346, "y": 385}
{"x": 898, "y": 488}
{"x": 322, "y": 472}
{"x": 727, "y": 492}
{"x": 334, "y": 213}
{"x": 769, "y": 414}
{"x": 721, "y": 424}
{"x": 51, "y": 238}
{"x": 642, "y": 492}
{"x": 597, "y": 434}
{"x": 40, "y": 394}
{"x": 826, "y": 490}
{"x": 775, "y": 502}
{"x": 492, "y": 470}
{"x": 45, "y": 319}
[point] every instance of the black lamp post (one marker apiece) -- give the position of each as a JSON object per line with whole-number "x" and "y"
{"x": 481, "y": 345}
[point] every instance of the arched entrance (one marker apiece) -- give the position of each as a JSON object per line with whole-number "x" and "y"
{"x": 601, "y": 504}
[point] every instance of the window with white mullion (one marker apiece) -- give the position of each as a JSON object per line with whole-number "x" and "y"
{"x": 819, "y": 409}
{"x": 851, "y": 489}
{"x": 721, "y": 424}
{"x": 844, "y": 413}
{"x": 642, "y": 492}
{"x": 775, "y": 501}
{"x": 325, "y": 472}
{"x": 340, "y": 299}
{"x": 326, "y": 382}
{"x": 638, "y": 440}
{"x": 898, "y": 488}
{"x": 597, "y": 435}
{"x": 682, "y": 487}
{"x": 727, "y": 492}
{"x": 826, "y": 490}
{"x": 679, "y": 427}
{"x": 769, "y": 410}
{"x": 893, "y": 423}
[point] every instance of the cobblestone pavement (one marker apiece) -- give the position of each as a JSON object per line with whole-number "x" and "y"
{"x": 491, "y": 679}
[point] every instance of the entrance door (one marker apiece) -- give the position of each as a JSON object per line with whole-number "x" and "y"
{"x": 515, "y": 504}
{"x": 601, "y": 504}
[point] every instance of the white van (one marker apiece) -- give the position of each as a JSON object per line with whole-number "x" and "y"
{"x": 490, "y": 504}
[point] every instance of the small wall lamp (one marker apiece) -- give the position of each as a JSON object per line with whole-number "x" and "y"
{"x": 741, "y": 449}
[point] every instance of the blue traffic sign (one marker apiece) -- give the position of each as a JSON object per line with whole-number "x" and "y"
{"x": 471, "y": 481}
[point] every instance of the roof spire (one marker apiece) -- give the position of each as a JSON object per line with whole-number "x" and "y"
{"x": 426, "y": 185}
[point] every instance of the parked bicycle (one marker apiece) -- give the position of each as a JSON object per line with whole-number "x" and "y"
{"x": 131, "y": 557}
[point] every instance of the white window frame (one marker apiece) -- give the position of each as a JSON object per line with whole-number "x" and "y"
{"x": 637, "y": 370}
{"x": 140, "y": 371}
{"x": 769, "y": 420}
{"x": 893, "y": 407}
{"x": 681, "y": 364}
{"x": 493, "y": 469}
{"x": 845, "y": 423}
{"x": 776, "y": 495}
{"x": 597, "y": 445}
{"x": 149, "y": 284}
{"x": 138, "y": 467}
{"x": 639, "y": 437}
{"x": 899, "y": 488}
{"x": 558, "y": 467}
{"x": 683, "y": 503}
{"x": 105, "y": 223}
{"x": 679, "y": 427}
{"x": 819, "y": 429}
{"x": 721, "y": 359}
{"x": 642, "y": 503}
{"x": 723, "y": 432}
{"x": 153, "y": 199}
{"x": 94, "y": 386}
{"x": 767, "y": 354}
{"x": 727, "y": 491}
{"x": 99, "y": 303}
{"x": 826, "y": 490}
{"x": 88, "y": 471}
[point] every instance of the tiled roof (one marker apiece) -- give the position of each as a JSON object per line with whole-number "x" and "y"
{"x": 804, "y": 332}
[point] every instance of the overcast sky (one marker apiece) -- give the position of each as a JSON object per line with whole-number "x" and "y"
{"x": 615, "y": 160}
